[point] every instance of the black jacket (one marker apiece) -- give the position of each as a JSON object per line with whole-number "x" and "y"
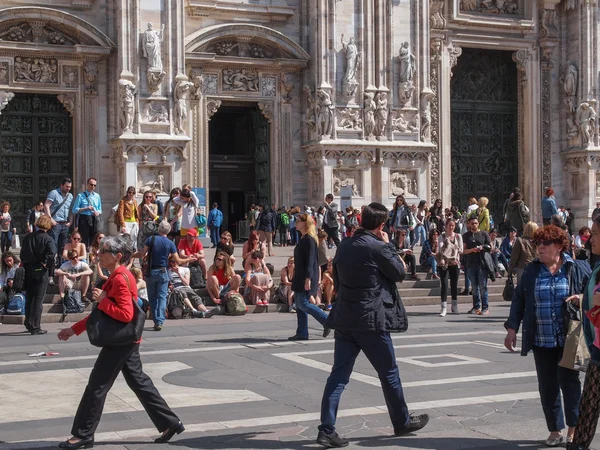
{"x": 365, "y": 272}
{"x": 38, "y": 248}
{"x": 267, "y": 221}
{"x": 306, "y": 260}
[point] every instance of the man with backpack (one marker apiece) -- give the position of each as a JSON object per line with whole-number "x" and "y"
{"x": 266, "y": 224}
{"x": 284, "y": 226}
{"x": 214, "y": 222}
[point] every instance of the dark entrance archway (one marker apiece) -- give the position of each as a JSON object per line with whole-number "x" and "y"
{"x": 484, "y": 128}
{"x": 35, "y": 151}
{"x": 239, "y": 163}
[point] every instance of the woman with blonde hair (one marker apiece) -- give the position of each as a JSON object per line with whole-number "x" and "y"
{"x": 285, "y": 287}
{"x": 126, "y": 217}
{"x": 483, "y": 214}
{"x": 173, "y": 215}
{"x": 523, "y": 251}
{"x": 306, "y": 278}
{"x": 221, "y": 278}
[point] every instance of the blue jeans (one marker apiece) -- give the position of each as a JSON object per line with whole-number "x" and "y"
{"x": 432, "y": 262}
{"x": 158, "y": 287}
{"x": 6, "y": 241}
{"x": 60, "y": 233}
{"x": 215, "y": 235}
{"x": 379, "y": 349}
{"x": 303, "y": 308}
{"x": 418, "y": 235}
{"x": 553, "y": 379}
{"x": 478, "y": 278}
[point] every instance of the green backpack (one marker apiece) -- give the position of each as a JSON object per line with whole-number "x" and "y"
{"x": 285, "y": 219}
{"x": 235, "y": 305}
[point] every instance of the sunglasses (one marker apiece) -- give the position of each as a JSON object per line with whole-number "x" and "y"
{"x": 219, "y": 259}
{"x": 256, "y": 257}
{"x": 148, "y": 196}
{"x": 545, "y": 242}
{"x": 224, "y": 238}
{"x": 104, "y": 250}
{"x": 75, "y": 239}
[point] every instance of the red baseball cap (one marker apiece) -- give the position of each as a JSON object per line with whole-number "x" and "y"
{"x": 192, "y": 232}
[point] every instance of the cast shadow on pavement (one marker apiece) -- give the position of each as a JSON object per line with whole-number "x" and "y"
{"x": 253, "y": 441}
{"x": 242, "y": 340}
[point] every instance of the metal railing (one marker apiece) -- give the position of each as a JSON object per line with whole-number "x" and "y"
{"x": 242, "y": 230}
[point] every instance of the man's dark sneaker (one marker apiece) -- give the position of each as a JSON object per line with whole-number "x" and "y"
{"x": 571, "y": 446}
{"x": 332, "y": 440}
{"x": 474, "y": 311}
{"x": 297, "y": 338}
{"x": 415, "y": 423}
{"x": 326, "y": 331}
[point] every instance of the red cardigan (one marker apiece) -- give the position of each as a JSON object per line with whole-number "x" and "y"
{"x": 116, "y": 288}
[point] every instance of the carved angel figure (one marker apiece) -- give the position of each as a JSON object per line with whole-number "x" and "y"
{"x": 369, "y": 114}
{"x": 586, "y": 118}
{"x": 151, "y": 42}
{"x": 127, "y": 92}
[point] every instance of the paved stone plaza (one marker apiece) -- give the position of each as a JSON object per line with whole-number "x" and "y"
{"x": 237, "y": 383}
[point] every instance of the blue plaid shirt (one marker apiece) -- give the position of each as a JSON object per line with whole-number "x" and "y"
{"x": 550, "y": 293}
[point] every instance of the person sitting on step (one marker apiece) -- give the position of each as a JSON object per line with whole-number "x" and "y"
{"x": 179, "y": 282}
{"x": 222, "y": 279}
{"x": 74, "y": 274}
{"x": 407, "y": 254}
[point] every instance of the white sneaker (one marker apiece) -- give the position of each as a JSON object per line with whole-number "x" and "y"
{"x": 443, "y": 311}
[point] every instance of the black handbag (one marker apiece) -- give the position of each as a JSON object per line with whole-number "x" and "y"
{"x": 104, "y": 331}
{"x": 509, "y": 290}
{"x": 147, "y": 260}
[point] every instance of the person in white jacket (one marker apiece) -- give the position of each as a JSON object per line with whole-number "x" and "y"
{"x": 189, "y": 202}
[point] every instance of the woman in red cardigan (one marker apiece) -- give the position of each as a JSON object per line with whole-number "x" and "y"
{"x": 116, "y": 300}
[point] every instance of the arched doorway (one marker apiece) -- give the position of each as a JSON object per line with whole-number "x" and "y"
{"x": 484, "y": 128}
{"x": 36, "y": 151}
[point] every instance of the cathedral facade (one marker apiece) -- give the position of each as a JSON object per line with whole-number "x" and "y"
{"x": 287, "y": 100}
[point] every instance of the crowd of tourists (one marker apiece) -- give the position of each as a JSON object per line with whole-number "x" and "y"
{"x": 157, "y": 262}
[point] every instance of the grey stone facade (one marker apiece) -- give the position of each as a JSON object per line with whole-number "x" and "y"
{"x": 356, "y": 92}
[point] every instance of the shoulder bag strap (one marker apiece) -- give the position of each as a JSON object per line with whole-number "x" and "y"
{"x": 66, "y": 197}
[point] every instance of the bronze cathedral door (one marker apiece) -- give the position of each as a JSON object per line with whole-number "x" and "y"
{"x": 484, "y": 128}
{"x": 35, "y": 151}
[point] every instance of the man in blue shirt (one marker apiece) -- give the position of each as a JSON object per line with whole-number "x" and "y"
{"x": 58, "y": 207}
{"x": 88, "y": 206}
{"x": 214, "y": 222}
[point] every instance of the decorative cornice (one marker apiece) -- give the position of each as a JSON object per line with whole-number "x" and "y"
{"x": 261, "y": 13}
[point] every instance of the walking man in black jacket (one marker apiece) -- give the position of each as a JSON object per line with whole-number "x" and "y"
{"x": 366, "y": 268}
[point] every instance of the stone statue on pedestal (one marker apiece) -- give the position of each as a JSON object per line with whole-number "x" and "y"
{"x": 349, "y": 83}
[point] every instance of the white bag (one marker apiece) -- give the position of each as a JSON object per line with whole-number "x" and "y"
{"x": 16, "y": 241}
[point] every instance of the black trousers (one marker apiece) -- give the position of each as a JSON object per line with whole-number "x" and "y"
{"x": 87, "y": 229}
{"x": 110, "y": 362}
{"x": 451, "y": 272}
{"x": 411, "y": 262}
{"x": 36, "y": 282}
{"x": 589, "y": 407}
{"x": 333, "y": 234}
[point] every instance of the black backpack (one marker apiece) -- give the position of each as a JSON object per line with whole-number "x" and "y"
{"x": 175, "y": 306}
{"x": 196, "y": 278}
{"x": 72, "y": 303}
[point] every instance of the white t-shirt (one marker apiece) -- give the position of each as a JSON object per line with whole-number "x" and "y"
{"x": 74, "y": 269}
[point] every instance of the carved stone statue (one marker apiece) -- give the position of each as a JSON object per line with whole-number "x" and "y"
{"x": 324, "y": 114}
{"x": 369, "y": 114}
{"x": 408, "y": 67}
{"x": 349, "y": 119}
{"x": 180, "y": 109}
{"x": 127, "y": 98}
{"x": 468, "y": 5}
{"x": 570, "y": 81}
{"x": 5, "y": 97}
{"x": 153, "y": 114}
{"x": 349, "y": 83}
{"x": 156, "y": 184}
{"x": 90, "y": 72}
{"x": 311, "y": 110}
{"x": 381, "y": 113}
{"x": 405, "y": 126}
{"x": 212, "y": 106}
{"x": 426, "y": 97}
{"x": 151, "y": 46}
{"x": 345, "y": 178}
{"x": 586, "y": 119}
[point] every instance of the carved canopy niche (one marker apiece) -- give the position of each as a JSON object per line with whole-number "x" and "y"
{"x": 245, "y": 44}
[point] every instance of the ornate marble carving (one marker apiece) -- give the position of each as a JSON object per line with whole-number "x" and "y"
{"x": 548, "y": 27}
{"x": 287, "y": 88}
{"x": 349, "y": 83}
{"x": 521, "y": 57}
{"x": 153, "y": 113}
{"x": 3, "y": 73}
{"x": 597, "y": 184}
{"x": 315, "y": 186}
{"x": 436, "y": 18}
{"x": 350, "y": 178}
{"x": 127, "y": 92}
{"x": 36, "y": 70}
{"x": 182, "y": 89}
{"x": 211, "y": 83}
{"x": 212, "y": 106}
{"x": 403, "y": 182}
{"x": 151, "y": 179}
{"x": 426, "y": 96}
{"x": 240, "y": 80}
{"x": 90, "y": 73}
{"x": 408, "y": 69}
{"x": 68, "y": 101}
{"x": 40, "y": 32}
{"x": 5, "y": 97}
{"x": 154, "y": 79}
{"x": 349, "y": 119}
{"x": 572, "y": 4}
{"x": 267, "y": 110}
{"x": 268, "y": 86}
{"x": 369, "y": 108}
{"x": 381, "y": 113}
{"x": 324, "y": 114}
{"x": 570, "y": 83}
{"x": 490, "y": 6}
{"x": 224, "y": 48}
{"x": 435, "y": 50}
{"x": 405, "y": 125}
{"x": 311, "y": 110}
{"x": 197, "y": 78}
{"x": 70, "y": 76}
{"x": 586, "y": 120}
{"x": 454, "y": 52}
